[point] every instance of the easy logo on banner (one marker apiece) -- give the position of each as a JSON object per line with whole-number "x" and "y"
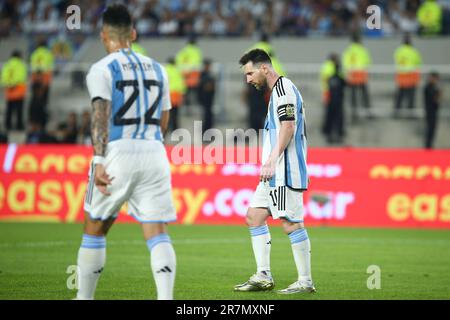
{"x": 349, "y": 187}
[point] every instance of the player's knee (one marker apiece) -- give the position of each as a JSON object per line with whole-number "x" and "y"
{"x": 96, "y": 228}
{"x": 256, "y": 217}
{"x": 289, "y": 227}
{"x": 252, "y": 219}
{"x": 153, "y": 229}
{"x": 95, "y": 233}
{"x": 249, "y": 219}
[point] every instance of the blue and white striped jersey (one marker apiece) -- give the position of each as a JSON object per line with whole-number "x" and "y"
{"x": 138, "y": 89}
{"x": 286, "y": 103}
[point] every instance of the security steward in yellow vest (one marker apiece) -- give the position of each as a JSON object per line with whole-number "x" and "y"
{"x": 177, "y": 89}
{"x": 407, "y": 61}
{"x": 42, "y": 66}
{"x": 327, "y": 70}
{"x": 189, "y": 62}
{"x": 429, "y": 16}
{"x": 356, "y": 60}
{"x": 14, "y": 79}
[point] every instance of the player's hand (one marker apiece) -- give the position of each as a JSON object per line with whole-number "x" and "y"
{"x": 102, "y": 179}
{"x": 267, "y": 171}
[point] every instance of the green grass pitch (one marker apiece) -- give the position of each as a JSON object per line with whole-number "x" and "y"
{"x": 414, "y": 264}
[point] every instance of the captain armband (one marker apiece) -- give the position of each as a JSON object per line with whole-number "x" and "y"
{"x": 286, "y": 112}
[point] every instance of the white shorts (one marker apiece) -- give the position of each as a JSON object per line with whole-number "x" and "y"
{"x": 281, "y": 201}
{"x": 141, "y": 174}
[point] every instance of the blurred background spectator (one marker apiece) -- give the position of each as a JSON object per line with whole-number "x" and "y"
{"x": 432, "y": 97}
{"x": 189, "y": 61}
{"x": 84, "y": 133}
{"x": 407, "y": 61}
{"x": 13, "y": 79}
{"x": 177, "y": 91}
{"x": 206, "y": 92}
{"x": 67, "y": 131}
{"x": 36, "y": 134}
{"x": 356, "y": 60}
{"x": 256, "y": 103}
{"x": 232, "y": 17}
{"x": 334, "y": 114}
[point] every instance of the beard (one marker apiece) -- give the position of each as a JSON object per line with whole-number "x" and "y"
{"x": 261, "y": 86}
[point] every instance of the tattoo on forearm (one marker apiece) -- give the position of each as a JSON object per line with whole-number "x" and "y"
{"x": 164, "y": 121}
{"x": 101, "y": 113}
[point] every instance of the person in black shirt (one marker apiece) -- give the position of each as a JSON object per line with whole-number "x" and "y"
{"x": 37, "y": 134}
{"x": 432, "y": 95}
{"x": 257, "y": 103}
{"x": 68, "y": 131}
{"x": 37, "y": 108}
{"x": 85, "y": 128}
{"x": 3, "y": 137}
{"x": 206, "y": 90}
{"x": 334, "y": 116}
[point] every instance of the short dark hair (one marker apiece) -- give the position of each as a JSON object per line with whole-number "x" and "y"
{"x": 407, "y": 39}
{"x": 16, "y": 53}
{"x": 192, "y": 39}
{"x": 207, "y": 61}
{"x": 255, "y": 56}
{"x": 171, "y": 60}
{"x": 434, "y": 74}
{"x": 264, "y": 37}
{"x": 117, "y": 15}
{"x": 356, "y": 37}
{"x": 42, "y": 43}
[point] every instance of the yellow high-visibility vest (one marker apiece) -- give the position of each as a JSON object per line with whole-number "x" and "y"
{"x": 176, "y": 79}
{"x": 189, "y": 58}
{"x": 14, "y": 72}
{"x": 42, "y": 60}
{"x": 327, "y": 70}
{"x": 356, "y": 57}
{"x": 356, "y": 60}
{"x": 429, "y": 16}
{"x": 407, "y": 58}
{"x": 136, "y": 47}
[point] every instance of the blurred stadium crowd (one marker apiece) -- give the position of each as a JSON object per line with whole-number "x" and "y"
{"x": 233, "y": 18}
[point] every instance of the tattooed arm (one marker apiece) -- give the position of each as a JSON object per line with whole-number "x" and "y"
{"x": 101, "y": 113}
{"x": 164, "y": 121}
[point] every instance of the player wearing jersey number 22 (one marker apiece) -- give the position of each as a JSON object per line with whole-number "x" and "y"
{"x": 131, "y": 103}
